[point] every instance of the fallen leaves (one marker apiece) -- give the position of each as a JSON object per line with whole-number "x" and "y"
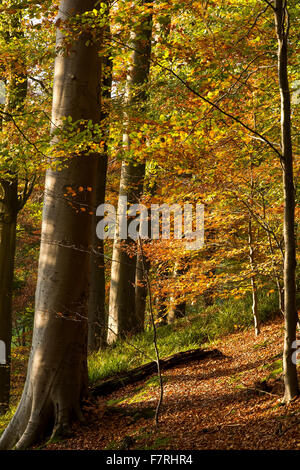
{"x": 208, "y": 404}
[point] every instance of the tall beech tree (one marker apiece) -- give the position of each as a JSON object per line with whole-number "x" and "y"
{"x": 163, "y": 26}
{"x": 57, "y": 371}
{"x": 290, "y": 311}
{"x": 122, "y": 312}
{"x": 97, "y": 311}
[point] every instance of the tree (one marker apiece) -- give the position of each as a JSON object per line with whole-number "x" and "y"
{"x": 57, "y": 371}
{"x": 97, "y": 312}
{"x": 290, "y": 312}
{"x": 12, "y": 199}
{"x": 122, "y": 313}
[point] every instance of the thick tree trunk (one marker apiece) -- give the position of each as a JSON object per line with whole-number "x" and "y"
{"x": 290, "y": 312}
{"x": 122, "y": 312}
{"x": 57, "y": 371}
{"x": 8, "y": 220}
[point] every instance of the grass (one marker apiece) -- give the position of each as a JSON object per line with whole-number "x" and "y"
{"x": 124, "y": 355}
{"x": 275, "y": 369}
{"x": 199, "y": 328}
{"x": 6, "y": 418}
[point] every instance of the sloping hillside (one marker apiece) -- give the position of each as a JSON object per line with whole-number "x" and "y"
{"x": 228, "y": 403}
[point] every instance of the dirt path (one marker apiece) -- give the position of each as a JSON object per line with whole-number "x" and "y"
{"x": 209, "y": 404}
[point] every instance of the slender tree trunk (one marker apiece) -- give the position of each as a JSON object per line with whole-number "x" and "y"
{"x": 162, "y": 309}
{"x": 141, "y": 291}
{"x": 96, "y": 309}
{"x": 8, "y": 220}
{"x": 290, "y": 312}
{"x": 176, "y": 309}
{"x": 97, "y": 331}
{"x": 278, "y": 281}
{"x": 122, "y": 318}
{"x": 253, "y": 279}
{"x": 57, "y": 371}
{"x": 252, "y": 255}
{"x": 163, "y": 29}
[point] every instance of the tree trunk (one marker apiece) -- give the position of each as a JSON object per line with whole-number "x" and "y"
{"x": 177, "y": 309}
{"x": 9, "y": 208}
{"x": 141, "y": 291}
{"x": 253, "y": 279}
{"x": 96, "y": 309}
{"x": 8, "y": 220}
{"x": 277, "y": 279}
{"x": 57, "y": 370}
{"x": 97, "y": 315}
{"x": 162, "y": 308}
{"x": 122, "y": 312}
{"x": 290, "y": 312}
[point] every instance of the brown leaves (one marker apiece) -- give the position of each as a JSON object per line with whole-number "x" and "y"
{"x": 209, "y": 404}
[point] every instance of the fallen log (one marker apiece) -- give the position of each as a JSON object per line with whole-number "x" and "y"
{"x": 142, "y": 372}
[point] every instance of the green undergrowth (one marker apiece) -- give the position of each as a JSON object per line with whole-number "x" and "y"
{"x": 274, "y": 369}
{"x": 5, "y": 419}
{"x": 139, "y": 394}
{"x": 135, "y": 351}
{"x": 199, "y": 328}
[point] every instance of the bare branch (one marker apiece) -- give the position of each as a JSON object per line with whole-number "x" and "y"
{"x": 269, "y": 4}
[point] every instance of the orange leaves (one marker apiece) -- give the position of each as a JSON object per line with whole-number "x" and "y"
{"x": 74, "y": 191}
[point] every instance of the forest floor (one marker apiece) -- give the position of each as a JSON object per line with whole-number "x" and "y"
{"x": 232, "y": 402}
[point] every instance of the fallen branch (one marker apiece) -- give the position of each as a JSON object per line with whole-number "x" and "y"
{"x": 139, "y": 373}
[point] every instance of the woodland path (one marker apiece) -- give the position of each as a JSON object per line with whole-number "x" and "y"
{"x": 208, "y": 404}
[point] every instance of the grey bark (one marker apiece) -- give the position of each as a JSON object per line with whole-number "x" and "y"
{"x": 97, "y": 311}
{"x": 57, "y": 370}
{"x": 290, "y": 312}
{"x": 122, "y": 318}
{"x": 253, "y": 278}
{"x": 163, "y": 29}
{"x": 251, "y": 247}
{"x": 141, "y": 291}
